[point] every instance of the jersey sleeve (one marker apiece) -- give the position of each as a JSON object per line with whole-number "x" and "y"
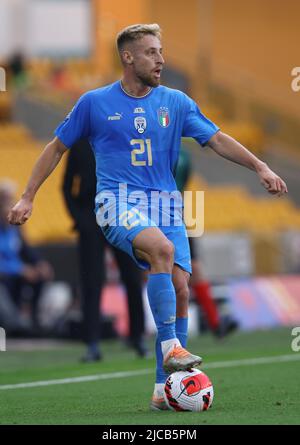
{"x": 76, "y": 124}
{"x": 196, "y": 125}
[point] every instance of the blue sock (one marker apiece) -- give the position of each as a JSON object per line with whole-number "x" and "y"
{"x": 161, "y": 376}
{"x": 162, "y": 300}
{"x": 182, "y": 330}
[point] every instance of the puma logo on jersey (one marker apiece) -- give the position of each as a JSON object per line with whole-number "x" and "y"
{"x": 115, "y": 117}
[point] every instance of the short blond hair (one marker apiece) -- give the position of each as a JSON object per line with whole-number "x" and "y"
{"x": 135, "y": 32}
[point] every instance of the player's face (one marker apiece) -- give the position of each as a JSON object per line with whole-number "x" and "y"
{"x": 147, "y": 60}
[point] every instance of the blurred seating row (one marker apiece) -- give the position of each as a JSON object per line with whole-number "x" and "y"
{"x": 247, "y": 133}
{"x": 232, "y": 208}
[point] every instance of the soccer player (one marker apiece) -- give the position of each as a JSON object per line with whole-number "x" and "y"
{"x": 134, "y": 126}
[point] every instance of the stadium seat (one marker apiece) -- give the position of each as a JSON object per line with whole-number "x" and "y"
{"x": 50, "y": 220}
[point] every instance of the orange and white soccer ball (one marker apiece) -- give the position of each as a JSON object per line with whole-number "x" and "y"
{"x": 189, "y": 391}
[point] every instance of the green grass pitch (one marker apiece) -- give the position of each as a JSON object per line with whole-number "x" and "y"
{"x": 256, "y": 393}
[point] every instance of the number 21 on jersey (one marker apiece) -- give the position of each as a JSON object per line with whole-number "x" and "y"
{"x": 141, "y": 150}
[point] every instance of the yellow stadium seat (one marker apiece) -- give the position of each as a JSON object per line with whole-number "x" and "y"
{"x": 18, "y": 152}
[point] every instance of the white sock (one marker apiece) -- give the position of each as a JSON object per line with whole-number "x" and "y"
{"x": 159, "y": 389}
{"x": 168, "y": 345}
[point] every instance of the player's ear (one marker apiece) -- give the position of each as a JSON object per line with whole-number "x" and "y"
{"x": 127, "y": 57}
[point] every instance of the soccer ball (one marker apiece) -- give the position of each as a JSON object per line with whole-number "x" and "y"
{"x": 188, "y": 391}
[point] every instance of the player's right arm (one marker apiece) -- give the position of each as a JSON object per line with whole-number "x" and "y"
{"x": 43, "y": 167}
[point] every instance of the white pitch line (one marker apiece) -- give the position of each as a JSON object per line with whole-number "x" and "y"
{"x": 116, "y": 375}
{"x": 253, "y": 361}
{"x": 86, "y": 378}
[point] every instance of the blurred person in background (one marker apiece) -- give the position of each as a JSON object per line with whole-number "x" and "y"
{"x": 79, "y": 188}
{"x": 23, "y": 272}
{"x": 17, "y": 71}
{"x": 219, "y": 325}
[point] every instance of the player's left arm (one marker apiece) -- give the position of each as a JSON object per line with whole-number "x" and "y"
{"x": 232, "y": 150}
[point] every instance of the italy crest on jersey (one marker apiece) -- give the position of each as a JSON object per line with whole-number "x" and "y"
{"x": 163, "y": 116}
{"x": 140, "y": 124}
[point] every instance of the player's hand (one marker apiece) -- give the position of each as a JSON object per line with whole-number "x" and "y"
{"x": 45, "y": 270}
{"x": 30, "y": 273}
{"x": 20, "y": 213}
{"x": 272, "y": 182}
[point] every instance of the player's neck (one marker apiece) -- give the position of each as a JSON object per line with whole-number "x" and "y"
{"x": 134, "y": 88}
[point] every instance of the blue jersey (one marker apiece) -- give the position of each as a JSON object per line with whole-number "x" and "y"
{"x": 136, "y": 140}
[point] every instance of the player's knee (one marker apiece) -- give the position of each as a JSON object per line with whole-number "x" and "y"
{"x": 163, "y": 253}
{"x": 166, "y": 251}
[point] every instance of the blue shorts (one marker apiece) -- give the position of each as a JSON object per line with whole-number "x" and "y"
{"x": 122, "y": 235}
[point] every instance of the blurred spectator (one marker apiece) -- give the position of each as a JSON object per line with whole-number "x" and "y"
{"x": 219, "y": 326}
{"x": 17, "y": 72}
{"x": 61, "y": 79}
{"x": 79, "y": 190}
{"x": 22, "y": 272}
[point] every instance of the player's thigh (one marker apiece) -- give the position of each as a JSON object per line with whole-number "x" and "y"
{"x": 178, "y": 236}
{"x": 151, "y": 243}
